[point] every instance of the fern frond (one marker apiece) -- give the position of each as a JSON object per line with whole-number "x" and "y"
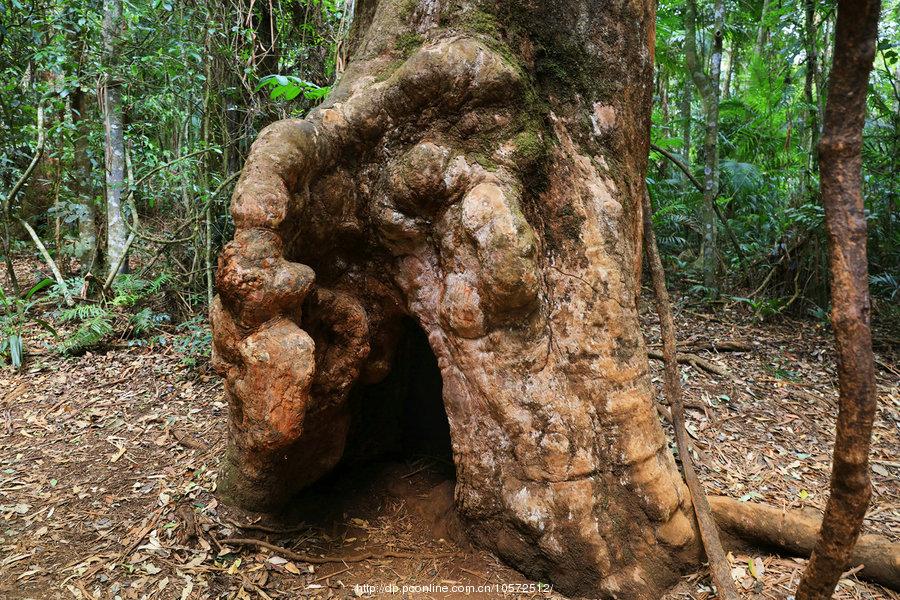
{"x": 89, "y": 334}
{"x": 83, "y": 312}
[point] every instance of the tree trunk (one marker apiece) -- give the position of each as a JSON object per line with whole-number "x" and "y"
{"x": 761, "y": 30}
{"x": 116, "y": 229}
{"x": 811, "y": 110}
{"x": 708, "y": 86}
{"x": 480, "y": 171}
{"x": 732, "y": 66}
{"x": 840, "y": 151}
{"x": 686, "y": 100}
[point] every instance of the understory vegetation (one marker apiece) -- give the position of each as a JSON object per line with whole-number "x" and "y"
{"x": 770, "y": 247}
{"x": 737, "y": 207}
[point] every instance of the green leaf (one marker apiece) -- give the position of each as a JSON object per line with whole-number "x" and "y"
{"x": 47, "y": 327}
{"x": 44, "y": 283}
{"x": 16, "y": 351}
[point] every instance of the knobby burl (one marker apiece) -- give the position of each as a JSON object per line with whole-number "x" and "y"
{"x": 450, "y": 187}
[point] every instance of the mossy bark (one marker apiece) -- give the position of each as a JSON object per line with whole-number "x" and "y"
{"x": 487, "y": 182}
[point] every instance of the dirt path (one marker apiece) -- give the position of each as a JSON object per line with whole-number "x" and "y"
{"x": 109, "y": 462}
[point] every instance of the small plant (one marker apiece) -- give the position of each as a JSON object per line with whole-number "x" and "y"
{"x": 822, "y": 315}
{"x": 97, "y": 321}
{"x": 194, "y": 341}
{"x": 885, "y": 285}
{"x": 763, "y": 308}
{"x": 14, "y": 320}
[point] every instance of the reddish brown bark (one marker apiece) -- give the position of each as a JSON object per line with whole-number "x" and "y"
{"x": 480, "y": 173}
{"x": 840, "y": 163}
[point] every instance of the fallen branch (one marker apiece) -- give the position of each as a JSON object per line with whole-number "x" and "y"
{"x": 796, "y": 532}
{"x": 722, "y": 346}
{"x": 718, "y": 564}
{"x": 693, "y": 360}
{"x": 323, "y": 560}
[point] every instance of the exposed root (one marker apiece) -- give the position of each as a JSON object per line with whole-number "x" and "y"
{"x": 324, "y": 560}
{"x": 795, "y": 531}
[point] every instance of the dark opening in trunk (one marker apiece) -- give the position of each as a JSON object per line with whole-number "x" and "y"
{"x": 403, "y": 416}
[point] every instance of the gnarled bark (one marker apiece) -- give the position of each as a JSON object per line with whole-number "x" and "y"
{"x": 856, "y": 36}
{"x": 479, "y": 169}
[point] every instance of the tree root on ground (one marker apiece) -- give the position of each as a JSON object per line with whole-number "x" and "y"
{"x": 796, "y": 531}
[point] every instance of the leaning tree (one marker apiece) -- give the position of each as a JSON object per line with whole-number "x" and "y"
{"x": 479, "y": 168}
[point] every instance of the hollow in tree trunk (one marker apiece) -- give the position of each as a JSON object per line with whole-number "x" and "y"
{"x": 479, "y": 170}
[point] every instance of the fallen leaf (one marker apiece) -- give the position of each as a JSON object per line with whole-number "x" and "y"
{"x": 291, "y": 568}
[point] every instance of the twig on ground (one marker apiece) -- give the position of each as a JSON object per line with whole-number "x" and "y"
{"x": 695, "y": 361}
{"x": 323, "y": 560}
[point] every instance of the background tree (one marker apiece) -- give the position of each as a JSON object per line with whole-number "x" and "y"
{"x": 708, "y": 84}
{"x": 856, "y": 37}
{"x": 111, "y": 101}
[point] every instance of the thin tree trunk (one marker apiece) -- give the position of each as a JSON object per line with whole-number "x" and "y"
{"x": 811, "y": 109}
{"x": 686, "y": 170}
{"x": 116, "y": 230}
{"x": 718, "y": 563}
{"x": 51, "y": 264}
{"x": 686, "y": 100}
{"x": 761, "y": 31}
{"x": 845, "y": 221}
{"x": 732, "y": 66}
{"x": 708, "y": 86}
{"x": 11, "y": 195}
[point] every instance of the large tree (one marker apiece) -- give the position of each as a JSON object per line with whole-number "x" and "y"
{"x": 480, "y": 168}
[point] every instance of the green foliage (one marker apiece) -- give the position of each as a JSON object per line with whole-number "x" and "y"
{"x": 288, "y": 87}
{"x": 885, "y": 285}
{"x": 15, "y": 320}
{"x": 194, "y": 341}
{"x": 90, "y": 332}
{"x": 96, "y": 322}
{"x": 768, "y": 181}
{"x": 763, "y": 308}
{"x": 129, "y": 290}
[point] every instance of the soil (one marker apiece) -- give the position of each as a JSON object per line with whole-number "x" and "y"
{"x": 109, "y": 463}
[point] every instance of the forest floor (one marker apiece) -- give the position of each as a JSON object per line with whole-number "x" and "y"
{"x": 109, "y": 462}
